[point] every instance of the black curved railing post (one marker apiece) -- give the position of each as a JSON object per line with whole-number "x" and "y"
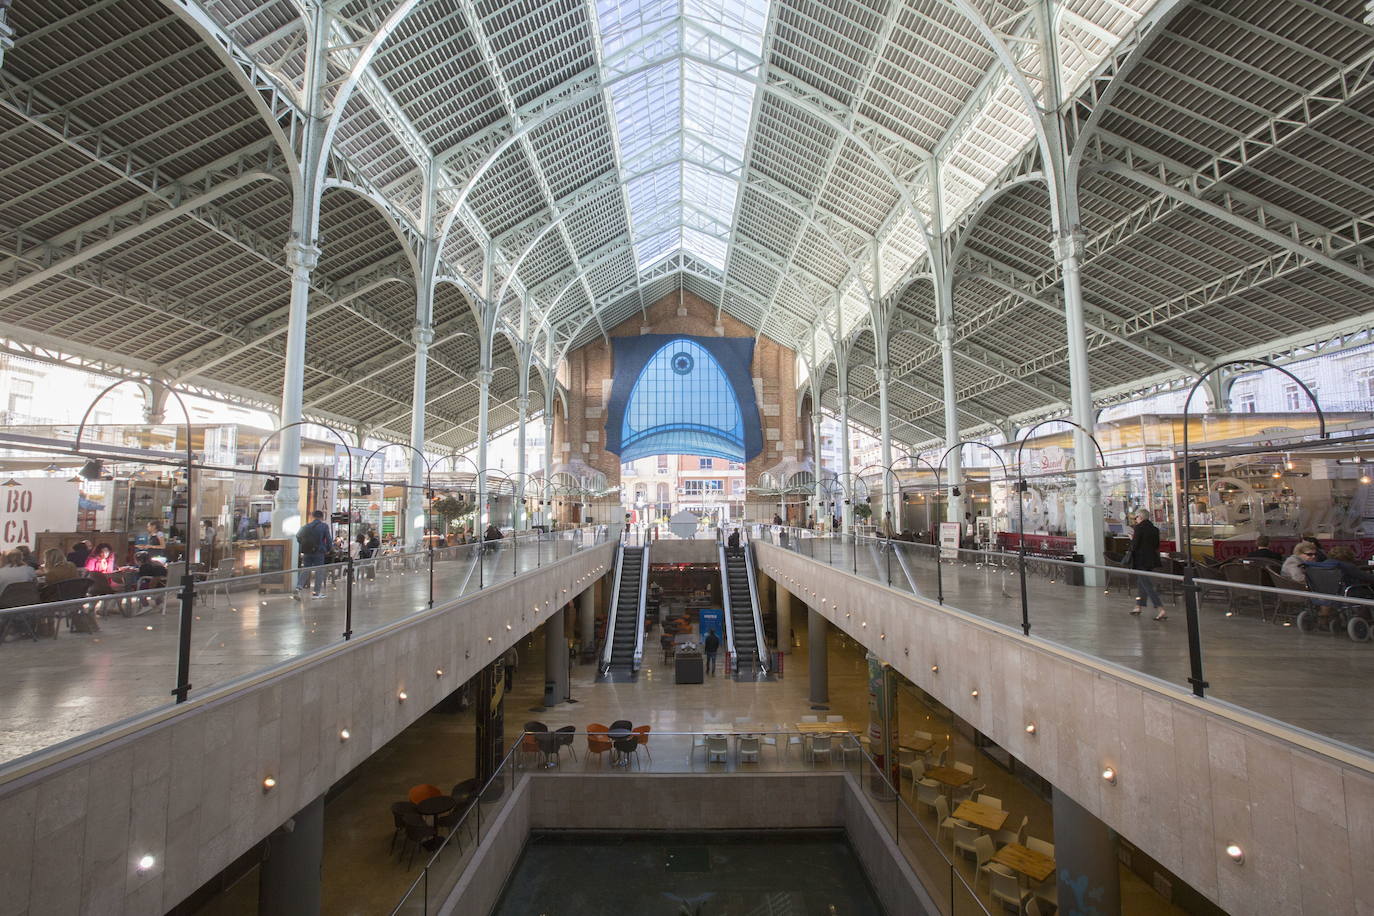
{"x": 1021, "y": 488}
{"x": 1191, "y": 590}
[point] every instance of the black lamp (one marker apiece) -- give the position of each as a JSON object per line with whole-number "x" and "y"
{"x": 272, "y": 485}
{"x": 953, "y": 491}
{"x": 92, "y": 469}
{"x": 365, "y": 490}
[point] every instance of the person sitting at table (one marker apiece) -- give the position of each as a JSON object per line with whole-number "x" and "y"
{"x": 1343, "y": 558}
{"x": 102, "y": 561}
{"x": 1303, "y": 552}
{"x": 1262, "y": 551}
{"x": 80, "y": 553}
{"x": 29, "y": 557}
{"x": 57, "y": 568}
{"x": 14, "y": 569}
{"x": 1316, "y": 545}
{"x": 148, "y": 568}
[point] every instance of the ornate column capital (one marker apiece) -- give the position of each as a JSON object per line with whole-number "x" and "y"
{"x": 944, "y": 334}
{"x": 484, "y": 376}
{"x": 523, "y": 402}
{"x": 302, "y": 256}
{"x": 1069, "y": 244}
{"x": 422, "y": 335}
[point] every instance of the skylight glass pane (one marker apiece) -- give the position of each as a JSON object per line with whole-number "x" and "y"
{"x": 684, "y": 113}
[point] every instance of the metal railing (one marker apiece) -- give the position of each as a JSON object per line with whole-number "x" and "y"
{"x": 245, "y": 624}
{"x": 539, "y": 754}
{"x": 1279, "y": 650}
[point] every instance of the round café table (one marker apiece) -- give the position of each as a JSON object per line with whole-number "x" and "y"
{"x": 436, "y": 805}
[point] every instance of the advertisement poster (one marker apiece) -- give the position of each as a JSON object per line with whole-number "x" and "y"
{"x": 712, "y": 618}
{"x": 878, "y": 699}
{"x": 949, "y": 540}
{"x": 29, "y": 505}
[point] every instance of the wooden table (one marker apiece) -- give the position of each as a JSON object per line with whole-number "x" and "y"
{"x": 919, "y": 745}
{"x": 814, "y": 728}
{"x": 1034, "y": 865}
{"x": 985, "y": 816}
{"x": 949, "y": 776}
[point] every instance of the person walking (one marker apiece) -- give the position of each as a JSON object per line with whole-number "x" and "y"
{"x": 712, "y": 646}
{"x": 1143, "y": 556}
{"x": 314, "y": 540}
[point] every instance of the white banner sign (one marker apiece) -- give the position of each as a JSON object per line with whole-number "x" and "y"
{"x": 36, "y": 504}
{"x": 949, "y": 540}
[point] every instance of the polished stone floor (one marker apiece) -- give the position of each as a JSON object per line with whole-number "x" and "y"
{"x": 1315, "y": 681}
{"x": 362, "y": 877}
{"x": 54, "y": 690}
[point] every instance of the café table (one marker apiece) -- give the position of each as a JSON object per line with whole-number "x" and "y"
{"x": 985, "y": 816}
{"x": 919, "y": 745}
{"x": 1034, "y": 865}
{"x": 818, "y": 728}
{"x": 436, "y": 805}
{"x": 949, "y": 776}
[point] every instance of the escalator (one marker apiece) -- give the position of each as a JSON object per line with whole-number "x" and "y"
{"x": 744, "y": 638}
{"x": 625, "y": 625}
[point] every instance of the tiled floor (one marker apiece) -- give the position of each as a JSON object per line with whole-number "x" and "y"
{"x": 1314, "y": 681}
{"x": 362, "y": 878}
{"x": 57, "y": 689}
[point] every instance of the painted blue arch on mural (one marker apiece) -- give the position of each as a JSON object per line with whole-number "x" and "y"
{"x": 679, "y": 395}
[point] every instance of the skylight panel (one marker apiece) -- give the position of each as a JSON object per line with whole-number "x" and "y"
{"x": 682, "y": 112}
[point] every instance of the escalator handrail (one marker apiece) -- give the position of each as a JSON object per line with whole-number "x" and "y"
{"x": 643, "y": 595}
{"x": 764, "y": 659}
{"x": 608, "y": 644}
{"x": 725, "y": 595}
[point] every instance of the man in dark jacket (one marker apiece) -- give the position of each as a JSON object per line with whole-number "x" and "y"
{"x": 1143, "y": 555}
{"x": 1262, "y": 551}
{"x": 314, "y": 540}
{"x": 712, "y": 646}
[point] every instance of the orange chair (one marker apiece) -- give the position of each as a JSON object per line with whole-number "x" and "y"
{"x": 419, "y": 793}
{"x": 643, "y": 732}
{"x": 597, "y": 743}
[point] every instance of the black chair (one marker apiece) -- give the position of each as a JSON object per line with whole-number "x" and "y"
{"x": 1243, "y": 572}
{"x": 627, "y": 747}
{"x": 536, "y": 727}
{"x": 621, "y": 723}
{"x": 399, "y": 810}
{"x": 1287, "y": 607}
{"x": 417, "y": 834}
{"x": 566, "y": 736}
{"x": 447, "y": 823}
{"x": 18, "y": 595}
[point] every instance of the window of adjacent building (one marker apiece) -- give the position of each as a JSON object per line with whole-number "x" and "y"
{"x": 736, "y": 466}
{"x": 1245, "y": 403}
{"x": 704, "y": 464}
{"x": 21, "y": 396}
{"x": 663, "y": 464}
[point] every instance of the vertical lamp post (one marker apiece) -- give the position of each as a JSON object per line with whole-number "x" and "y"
{"x": 187, "y": 593}
{"x": 348, "y": 555}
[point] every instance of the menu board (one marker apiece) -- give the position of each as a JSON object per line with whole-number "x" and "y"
{"x": 271, "y": 557}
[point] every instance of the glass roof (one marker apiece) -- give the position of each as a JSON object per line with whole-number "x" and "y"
{"x": 681, "y": 125}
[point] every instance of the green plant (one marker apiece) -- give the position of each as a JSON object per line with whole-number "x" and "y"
{"x": 863, "y": 511}
{"x": 448, "y": 511}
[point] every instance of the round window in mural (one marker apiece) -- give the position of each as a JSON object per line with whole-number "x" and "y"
{"x": 682, "y": 363}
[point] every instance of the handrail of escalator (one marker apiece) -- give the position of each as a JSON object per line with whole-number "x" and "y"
{"x": 608, "y": 643}
{"x": 725, "y": 594}
{"x": 765, "y": 658}
{"x": 643, "y": 595}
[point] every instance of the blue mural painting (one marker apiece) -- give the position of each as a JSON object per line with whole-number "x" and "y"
{"x": 678, "y": 395}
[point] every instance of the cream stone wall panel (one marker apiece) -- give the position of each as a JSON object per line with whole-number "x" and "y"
{"x": 1359, "y": 797}
{"x": 1194, "y": 775}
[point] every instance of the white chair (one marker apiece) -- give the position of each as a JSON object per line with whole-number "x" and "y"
{"x": 966, "y": 838}
{"x": 697, "y": 741}
{"x": 747, "y": 749}
{"x": 1033, "y": 908}
{"x": 810, "y": 718}
{"x": 983, "y": 849}
{"x": 943, "y": 820}
{"x": 963, "y": 767}
{"x": 834, "y": 718}
{"x": 1007, "y": 891}
{"x": 821, "y": 746}
{"x": 849, "y": 747}
{"x": 717, "y": 746}
{"x": 990, "y": 801}
{"x": 928, "y": 794}
{"x": 217, "y": 580}
{"x": 771, "y": 740}
{"x": 1040, "y": 846}
{"x": 912, "y": 765}
{"x": 1004, "y": 837}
